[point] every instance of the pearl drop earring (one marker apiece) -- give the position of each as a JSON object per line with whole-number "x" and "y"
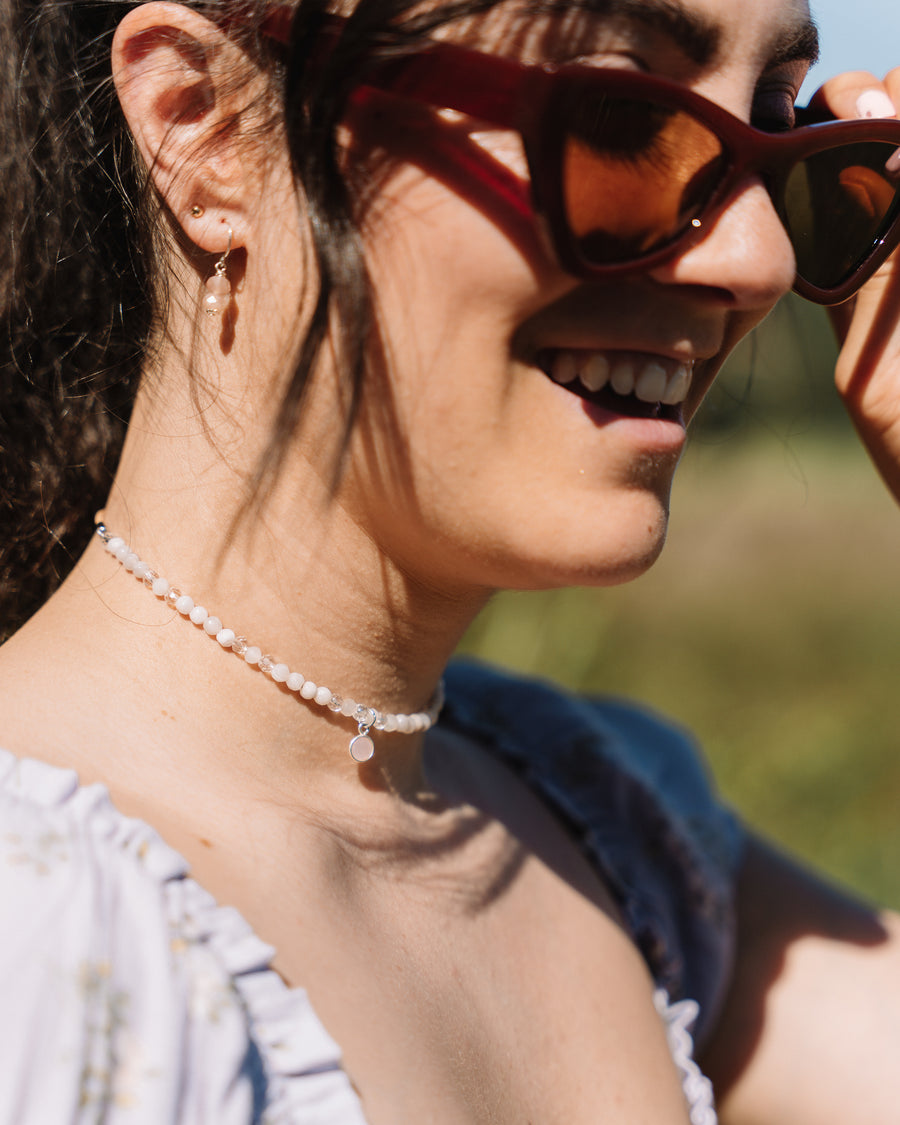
{"x": 218, "y": 287}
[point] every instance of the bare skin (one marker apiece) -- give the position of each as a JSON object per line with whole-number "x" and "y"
{"x": 431, "y": 906}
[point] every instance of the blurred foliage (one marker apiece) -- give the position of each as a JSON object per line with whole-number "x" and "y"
{"x": 779, "y": 378}
{"x": 771, "y": 625}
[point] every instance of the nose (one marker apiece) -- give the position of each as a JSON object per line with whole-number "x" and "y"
{"x": 742, "y": 251}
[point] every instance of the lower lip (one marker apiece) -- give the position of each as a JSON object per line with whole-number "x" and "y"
{"x": 664, "y": 434}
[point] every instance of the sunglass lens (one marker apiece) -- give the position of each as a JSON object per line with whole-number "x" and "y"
{"x": 635, "y": 175}
{"x": 837, "y": 206}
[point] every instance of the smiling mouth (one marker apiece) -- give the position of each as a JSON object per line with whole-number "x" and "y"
{"x": 638, "y": 386}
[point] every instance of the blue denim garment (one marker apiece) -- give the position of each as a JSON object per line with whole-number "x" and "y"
{"x": 632, "y": 789}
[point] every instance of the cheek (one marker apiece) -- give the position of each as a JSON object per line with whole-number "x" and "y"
{"x": 507, "y": 149}
{"x": 449, "y": 280}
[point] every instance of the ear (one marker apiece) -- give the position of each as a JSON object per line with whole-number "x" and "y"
{"x": 181, "y": 82}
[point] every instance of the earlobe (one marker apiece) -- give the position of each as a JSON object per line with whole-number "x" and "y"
{"x": 174, "y": 73}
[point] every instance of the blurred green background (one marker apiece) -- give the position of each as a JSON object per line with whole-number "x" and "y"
{"x": 771, "y": 624}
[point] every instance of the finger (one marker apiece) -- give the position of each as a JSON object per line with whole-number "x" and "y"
{"x": 859, "y": 94}
{"x": 892, "y": 85}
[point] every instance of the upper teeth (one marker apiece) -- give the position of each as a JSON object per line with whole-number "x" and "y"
{"x": 650, "y": 380}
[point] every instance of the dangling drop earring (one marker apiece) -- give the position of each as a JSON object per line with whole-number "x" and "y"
{"x": 218, "y": 287}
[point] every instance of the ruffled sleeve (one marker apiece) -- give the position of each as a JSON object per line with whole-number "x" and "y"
{"x": 126, "y": 993}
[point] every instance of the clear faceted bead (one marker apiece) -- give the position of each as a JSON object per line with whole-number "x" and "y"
{"x": 266, "y": 662}
{"x": 213, "y": 304}
{"x": 240, "y": 645}
{"x": 335, "y": 703}
{"x": 148, "y": 578}
{"x": 172, "y": 596}
{"x": 364, "y": 715}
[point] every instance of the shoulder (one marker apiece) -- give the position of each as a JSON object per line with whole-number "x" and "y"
{"x": 633, "y": 788}
{"x": 111, "y": 982}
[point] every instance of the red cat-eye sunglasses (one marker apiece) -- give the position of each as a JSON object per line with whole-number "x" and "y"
{"x": 627, "y": 169}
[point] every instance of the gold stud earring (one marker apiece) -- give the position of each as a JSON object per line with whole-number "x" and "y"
{"x": 198, "y": 211}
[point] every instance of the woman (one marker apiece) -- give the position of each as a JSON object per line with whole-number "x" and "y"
{"x": 377, "y": 384}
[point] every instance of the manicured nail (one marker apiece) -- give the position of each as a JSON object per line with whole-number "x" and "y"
{"x": 875, "y": 103}
{"x": 892, "y": 165}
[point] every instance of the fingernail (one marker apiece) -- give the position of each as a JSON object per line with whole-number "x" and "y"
{"x": 875, "y": 103}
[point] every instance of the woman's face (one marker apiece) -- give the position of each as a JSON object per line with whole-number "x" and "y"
{"x": 479, "y": 460}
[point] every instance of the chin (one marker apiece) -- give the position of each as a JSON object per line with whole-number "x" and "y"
{"x": 589, "y": 555}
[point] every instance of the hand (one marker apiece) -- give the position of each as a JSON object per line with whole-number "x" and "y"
{"x": 868, "y": 368}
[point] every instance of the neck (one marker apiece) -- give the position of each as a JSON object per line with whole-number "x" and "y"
{"x": 304, "y": 581}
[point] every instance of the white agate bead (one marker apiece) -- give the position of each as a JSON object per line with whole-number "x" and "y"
{"x": 348, "y": 707}
{"x": 160, "y": 587}
{"x": 184, "y": 605}
{"x": 253, "y": 654}
{"x": 198, "y": 615}
{"x": 294, "y": 681}
{"x": 219, "y": 285}
{"x": 212, "y": 625}
{"x": 280, "y": 673}
{"x": 309, "y": 689}
{"x": 323, "y": 696}
{"x": 225, "y": 637}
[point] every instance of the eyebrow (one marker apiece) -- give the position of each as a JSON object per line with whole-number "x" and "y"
{"x": 800, "y": 42}
{"x": 696, "y": 35}
{"x": 701, "y": 37}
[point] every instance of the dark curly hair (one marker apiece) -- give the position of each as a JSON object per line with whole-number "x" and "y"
{"x": 82, "y": 293}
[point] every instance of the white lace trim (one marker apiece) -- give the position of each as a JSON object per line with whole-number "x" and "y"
{"x": 680, "y": 1019}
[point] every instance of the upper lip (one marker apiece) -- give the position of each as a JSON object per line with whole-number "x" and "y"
{"x": 681, "y": 352}
{"x": 624, "y": 318}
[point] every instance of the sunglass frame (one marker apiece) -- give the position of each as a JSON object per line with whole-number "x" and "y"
{"x": 529, "y": 98}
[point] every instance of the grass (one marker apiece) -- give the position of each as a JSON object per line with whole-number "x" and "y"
{"x": 770, "y": 627}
